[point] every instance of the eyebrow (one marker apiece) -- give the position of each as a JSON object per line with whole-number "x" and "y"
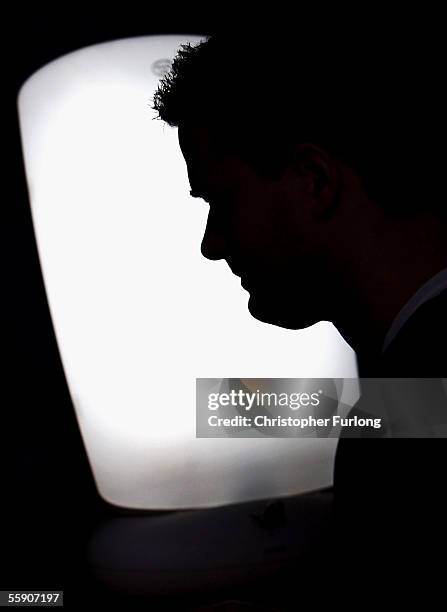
{"x": 196, "y": 194}
{"x": 204, "y": 194}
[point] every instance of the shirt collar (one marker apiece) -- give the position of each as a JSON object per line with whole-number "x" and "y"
{"x": 429, "y": 290}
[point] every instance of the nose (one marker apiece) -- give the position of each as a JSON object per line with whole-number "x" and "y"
{"x": 214, "y": 243}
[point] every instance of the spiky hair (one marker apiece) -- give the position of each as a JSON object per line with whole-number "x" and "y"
{"x": 174, "y": 84}
{"x": 264, "y": 91}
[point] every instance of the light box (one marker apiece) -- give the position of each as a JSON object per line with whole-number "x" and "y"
{"x": 138, "y": 312}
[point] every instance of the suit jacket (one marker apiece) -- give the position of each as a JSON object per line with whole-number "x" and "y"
{"x": 390, "y": 495}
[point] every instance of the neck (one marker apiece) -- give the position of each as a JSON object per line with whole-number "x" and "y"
{"x": 393, "y": 263}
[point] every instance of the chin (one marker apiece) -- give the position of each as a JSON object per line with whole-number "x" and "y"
{"x": 272, "y": 313}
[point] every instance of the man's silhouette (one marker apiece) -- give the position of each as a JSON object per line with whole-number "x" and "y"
{"x": 318, "y": 158}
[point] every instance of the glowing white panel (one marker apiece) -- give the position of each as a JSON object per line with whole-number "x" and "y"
{"x": 133, "y": 302}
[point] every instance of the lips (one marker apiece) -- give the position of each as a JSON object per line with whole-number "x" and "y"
{"x": 245, "y": 282}
{"x": 245, "y": 279}
{"x": 234, "y": 269}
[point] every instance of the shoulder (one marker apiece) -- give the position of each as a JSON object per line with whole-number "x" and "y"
{"x": 419, "y": 348}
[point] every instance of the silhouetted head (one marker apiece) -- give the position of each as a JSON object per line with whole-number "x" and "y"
{"x": 305, "y": 149}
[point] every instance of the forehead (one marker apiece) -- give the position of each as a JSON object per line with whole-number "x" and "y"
{"x": 193, "y": 139}
{"x": 205, "y": 166}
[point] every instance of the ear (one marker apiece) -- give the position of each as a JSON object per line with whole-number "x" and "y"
{"x": 315, "y": 177}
